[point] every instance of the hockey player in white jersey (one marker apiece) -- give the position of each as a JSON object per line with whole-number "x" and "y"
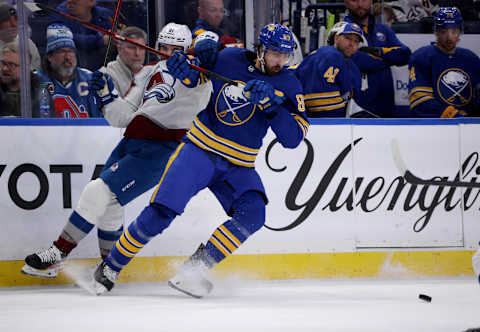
{"x": 156, "y": 113}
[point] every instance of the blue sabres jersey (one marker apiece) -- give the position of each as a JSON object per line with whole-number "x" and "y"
{"x": 438, "y": 80}
{"x": 74, "y": 99}
{"x": 329, "y": 81}
{"x": 234, "y": 128}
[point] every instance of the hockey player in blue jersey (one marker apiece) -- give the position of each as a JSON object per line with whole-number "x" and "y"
{"x": 383, "y": 51}
{"x": 442, "y": 76}
{"x": 66, "y": 82}
{"x": 328, "y": 76}
{"x": 223, "y": 142}
{"x": 156, "y": 112}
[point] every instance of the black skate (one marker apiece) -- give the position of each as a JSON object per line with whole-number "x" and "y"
{"x": 104, "y": 278}
{"x": 44, "y": 264}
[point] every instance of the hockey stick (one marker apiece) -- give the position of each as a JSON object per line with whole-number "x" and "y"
{"x": 413, "y": 179}
{"x": 38, "y": 6}
{"x": 114, "y": 29}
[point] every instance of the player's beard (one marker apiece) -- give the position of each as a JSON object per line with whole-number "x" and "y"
{"x": 272, "y": 70}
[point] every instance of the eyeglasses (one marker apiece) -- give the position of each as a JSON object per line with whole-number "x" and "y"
{"x": 10, "y": 65}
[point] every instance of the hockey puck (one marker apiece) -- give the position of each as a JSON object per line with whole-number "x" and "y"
{"x": 425, "y": 298}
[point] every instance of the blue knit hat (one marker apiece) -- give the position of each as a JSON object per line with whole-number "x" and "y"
{"x": 59, "y": 36}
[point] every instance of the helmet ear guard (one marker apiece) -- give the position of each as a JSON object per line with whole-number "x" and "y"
{"x": 175, "y": 34}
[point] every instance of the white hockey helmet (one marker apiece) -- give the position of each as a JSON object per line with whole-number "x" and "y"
{"x": 175, "y": 34}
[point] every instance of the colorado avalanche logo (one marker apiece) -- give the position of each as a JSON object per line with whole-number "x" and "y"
{"x": 162, "y": 91}
{"x": 232, "y": 107}
{"x": 454, "y": 87}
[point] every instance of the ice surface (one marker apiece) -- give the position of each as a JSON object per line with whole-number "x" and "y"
{"x": 247, "y": 306}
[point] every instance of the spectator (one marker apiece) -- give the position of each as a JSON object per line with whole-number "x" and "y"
{"x": 9, "y": 32}
{"x": 210, "y": 18}
{"x": 442, "y": 76}
{"x": 384, "y": 50}
{"x": 412, "y": 10}
{"x": 328, "y": 76}
{"x": 10, "y": 104}
{"x": 68, "y": 83}
{"x": 130, "y": 60}
{"x": 91, "y": 45}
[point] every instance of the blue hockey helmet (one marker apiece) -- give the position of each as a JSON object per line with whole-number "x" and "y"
{"x": 277, "y": 37}
{"x": 448, "y": 17}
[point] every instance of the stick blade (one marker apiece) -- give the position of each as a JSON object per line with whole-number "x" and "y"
{"x": 397, "y": 157}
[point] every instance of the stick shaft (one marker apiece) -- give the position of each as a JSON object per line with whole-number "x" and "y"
{"x": 125, "y": 39}
{"x": 114, "y": 29}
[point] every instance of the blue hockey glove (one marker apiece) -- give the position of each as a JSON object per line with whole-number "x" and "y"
{"x": 263, "y": 94}
{"x": 206, "y": 48}
{"x": 179, "y": 68}
{"x": 102, "y": 88}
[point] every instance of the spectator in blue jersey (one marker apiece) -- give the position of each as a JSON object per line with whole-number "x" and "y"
{"x": 443, "y": 77}
{"x": 211, "y": 18}
{"x": 91, "y": 45}
{"x": 223, "y": 142}
{"x": 68, "y": 83}
{"x": 329, "y": 78}
{"x": 375, "y": 59}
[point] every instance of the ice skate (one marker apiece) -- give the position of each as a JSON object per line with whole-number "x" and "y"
{"x": 44, "y": 264}
{"x": 104, "y": 278}
{"x": 191, "y": 278}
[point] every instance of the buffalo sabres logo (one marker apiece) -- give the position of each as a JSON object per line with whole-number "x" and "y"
{"x": 454, "y": 87}
{"x": 232, "y": 107}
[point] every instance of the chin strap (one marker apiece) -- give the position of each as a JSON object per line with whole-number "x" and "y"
{"x": 261, "y": 59}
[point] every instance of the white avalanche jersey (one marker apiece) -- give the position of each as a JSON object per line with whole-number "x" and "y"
{"x": 169, "y": 103}
{"x": 158, "y": 106}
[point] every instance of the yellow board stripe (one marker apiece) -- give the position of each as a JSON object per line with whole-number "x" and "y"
{"x": 224, "y": 240}
{"x": 410, "y": 264}
{"x": 232, "y": 237}
{"x": 219, "y": 246}
{"x": 169, "y": 163}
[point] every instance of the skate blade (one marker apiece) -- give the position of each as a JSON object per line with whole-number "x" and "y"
{"x": 83, "y": 277}
{"x": 33, "y": 272}
{"x": 172, "y": 285}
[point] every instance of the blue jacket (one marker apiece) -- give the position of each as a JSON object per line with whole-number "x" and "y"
{"x": 90, "y": 47}
{"x": 379, "y": 97}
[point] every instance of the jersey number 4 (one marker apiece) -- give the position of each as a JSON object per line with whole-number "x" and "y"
{"x": 330, "y": 74}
